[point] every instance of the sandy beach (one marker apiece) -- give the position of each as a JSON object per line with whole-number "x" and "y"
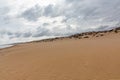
{"x": 94, "y": 58}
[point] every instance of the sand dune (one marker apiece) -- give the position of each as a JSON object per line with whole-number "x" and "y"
{"x": 90, "y": 58}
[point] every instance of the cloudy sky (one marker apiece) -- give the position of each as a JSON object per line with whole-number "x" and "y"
{"x": 26, "y": 20}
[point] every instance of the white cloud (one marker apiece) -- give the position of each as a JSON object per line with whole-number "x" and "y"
{"x": 25, "y": 20}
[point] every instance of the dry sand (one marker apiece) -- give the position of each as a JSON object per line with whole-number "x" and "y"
{"x": 68, "y": 59}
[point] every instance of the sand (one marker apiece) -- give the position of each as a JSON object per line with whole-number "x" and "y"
{"x": 96, "y": 58}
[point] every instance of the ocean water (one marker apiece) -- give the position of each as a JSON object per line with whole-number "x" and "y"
{"x": 5, "y": 46}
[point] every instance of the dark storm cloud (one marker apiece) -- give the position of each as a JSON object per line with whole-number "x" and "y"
{"x": 48, "y": 11}
{"x": 27, "y": 34}
{"x": 41, "y": 32}
{"x": 38, "y": 33}
{"x": 33, "y": 13}
{"x": 94, "y": 9}
{"x": 86, "y": 9}
{"x": 101, "y": 28}
{"x": 46, "y": 24}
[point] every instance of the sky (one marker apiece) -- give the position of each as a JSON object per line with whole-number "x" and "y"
{"x": 28, "y": 20}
